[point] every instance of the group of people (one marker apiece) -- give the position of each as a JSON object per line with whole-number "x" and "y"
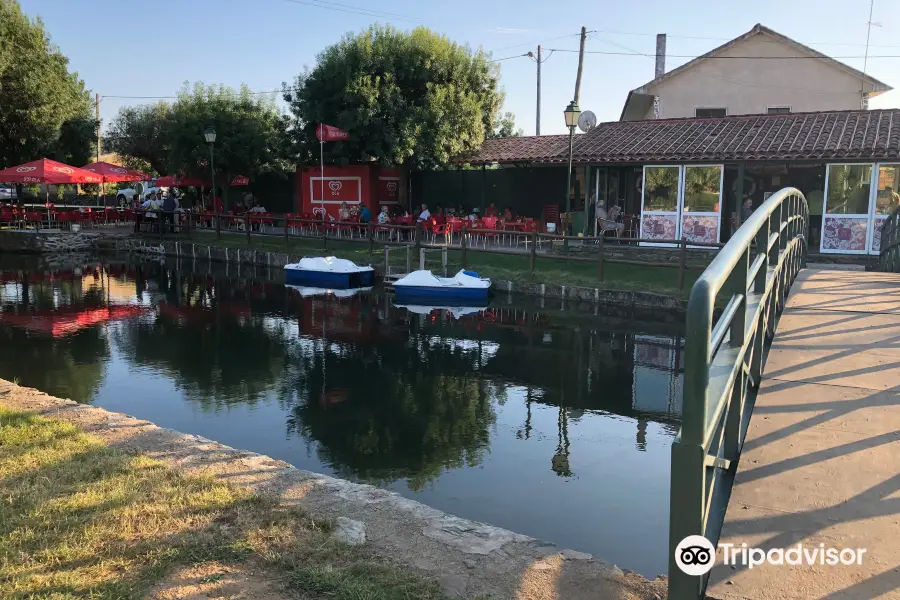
{"x": 249, "y": 204}
{"x": 158, "y": 209}
{"x": 423, "y": 215}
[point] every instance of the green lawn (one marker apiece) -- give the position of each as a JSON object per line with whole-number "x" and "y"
{"x": 81, "y": 520}
{"x": 552, "y": 271}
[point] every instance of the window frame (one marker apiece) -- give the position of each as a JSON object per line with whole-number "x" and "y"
{"x": 790, "y": 110}
{"x": 724, "y": 108}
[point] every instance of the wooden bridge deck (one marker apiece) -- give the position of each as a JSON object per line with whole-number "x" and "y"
{"x": 821, "y": 460}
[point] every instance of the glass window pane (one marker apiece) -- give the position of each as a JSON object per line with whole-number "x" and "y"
{"x": 888, "y": 197}
{"x": 661, "y": 189}
{"x": 848, "y": 189}
{"x": 701, "y": 189}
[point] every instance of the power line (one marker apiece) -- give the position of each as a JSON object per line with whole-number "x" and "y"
{"x": 691, "y": 56}
{"x": 721, "y": 39}
{"x": 348, "y": 8}
{"x": 528, "y": 54}
{"x": 535, "y": 43}
{"x": 253, "y": 93}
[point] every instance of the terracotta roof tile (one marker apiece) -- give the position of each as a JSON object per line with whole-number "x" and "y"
{"x": 832, "y": 136}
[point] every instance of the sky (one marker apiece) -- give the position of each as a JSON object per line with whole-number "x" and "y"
{"x": 150, "y": 48}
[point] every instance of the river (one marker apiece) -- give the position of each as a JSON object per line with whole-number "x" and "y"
{"x": 553, "y": 420}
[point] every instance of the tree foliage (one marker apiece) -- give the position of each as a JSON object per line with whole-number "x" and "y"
{"x": 407, "y": 98}
{"x": 250, "y": 133}
{"x": 141, "y": 133}
{"x": 505, "y": 127}
{"x": 45, "y": 110}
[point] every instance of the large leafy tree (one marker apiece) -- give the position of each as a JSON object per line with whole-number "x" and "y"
{"x": 411, "y": 99}
{"x": 140, "y": 134}
{"x": 45, "y": 110}
{"x": 249, "y": 132}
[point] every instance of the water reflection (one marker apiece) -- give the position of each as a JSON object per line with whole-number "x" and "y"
{"x": 469, "y": 411}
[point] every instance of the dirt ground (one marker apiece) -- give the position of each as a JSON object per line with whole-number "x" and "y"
{"x": 216, "y": 581}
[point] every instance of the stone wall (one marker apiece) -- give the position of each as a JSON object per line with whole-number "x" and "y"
{"x": 239, "y": 256}
{"x": 30, "y": 241}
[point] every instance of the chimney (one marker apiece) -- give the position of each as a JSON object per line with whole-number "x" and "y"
{"x": 660, "y": 55}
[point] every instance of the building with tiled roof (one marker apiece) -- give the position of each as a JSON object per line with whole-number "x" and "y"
{"x": 758, "y": 72}
{"x": 832, "y": 136}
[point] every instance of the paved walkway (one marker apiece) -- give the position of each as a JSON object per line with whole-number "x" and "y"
{"x": 821, "y": 461}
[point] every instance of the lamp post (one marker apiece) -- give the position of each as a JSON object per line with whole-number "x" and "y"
{"x": 571, "y": 113}
{"x": 210, "y": 135}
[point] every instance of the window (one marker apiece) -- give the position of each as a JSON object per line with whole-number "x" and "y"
{"x": 701, "y": 189}
{"x": 709, "y": 112}
{"x": 779, "y": 110}
{"x": 848, "y": 189}
{"x": 887, "y": 198}
{"x": 661, "y": 189}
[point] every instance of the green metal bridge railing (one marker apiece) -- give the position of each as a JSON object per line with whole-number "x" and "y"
{"x": 749, "y": 279}
{"x": 889, "y": 256}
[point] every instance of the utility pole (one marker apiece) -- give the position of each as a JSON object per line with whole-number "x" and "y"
{"x": 537, "y": 127}
{"x": 571, "y": 120}
{"x": 97, "y": 114}
{"x": 101, "y": 191}
{"x": 580, "y": 64}
{"x": 863, "y": 98}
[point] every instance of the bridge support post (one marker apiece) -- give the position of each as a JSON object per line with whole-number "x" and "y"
{"x": 687, "y": 500}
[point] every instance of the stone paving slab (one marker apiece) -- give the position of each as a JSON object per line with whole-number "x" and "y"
{"x": 821, "y": 461}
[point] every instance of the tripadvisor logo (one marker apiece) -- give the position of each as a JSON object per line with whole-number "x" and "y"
{"x": 695, "y": 555}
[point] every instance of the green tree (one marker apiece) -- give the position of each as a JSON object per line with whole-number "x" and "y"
{"x": 77, "y": 141}
{"x": 506, "y": 127}
{"x": 140, "y": 134}
{"x": 38, "y": 94}
{"x": 411, "y": 99}
{"x": 250, "y": 133}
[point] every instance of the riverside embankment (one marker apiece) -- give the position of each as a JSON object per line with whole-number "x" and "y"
{"x": 468, "y": 559}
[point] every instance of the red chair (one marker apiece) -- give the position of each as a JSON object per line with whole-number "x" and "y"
{"x": 525, "y": 236}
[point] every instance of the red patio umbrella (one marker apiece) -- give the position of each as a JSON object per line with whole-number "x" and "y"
{"x": 47, "y": 171}
{"x": 114, "y": 173}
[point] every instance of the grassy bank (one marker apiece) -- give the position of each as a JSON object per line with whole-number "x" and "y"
{"x": 81, "y": 520}
{"x": 551, "y": 271}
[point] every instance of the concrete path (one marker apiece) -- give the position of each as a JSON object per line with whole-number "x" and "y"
{"x": 821, "y": 461}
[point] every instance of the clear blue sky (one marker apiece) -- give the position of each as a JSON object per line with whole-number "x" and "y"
{"x": 149, "y": 48}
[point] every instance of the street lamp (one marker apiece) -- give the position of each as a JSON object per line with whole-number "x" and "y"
{"x": 210, "y": 135}
{"x": 572, "y": 113}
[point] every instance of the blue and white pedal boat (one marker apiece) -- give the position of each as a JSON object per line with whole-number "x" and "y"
{"x": 465, "y": 286}
{"x": 329, "y": 272}
{"x": 309, "y": 292}
{"x": 457, "y": 312}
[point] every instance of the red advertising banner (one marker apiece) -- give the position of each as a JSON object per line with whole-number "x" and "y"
{"x": 337, "y": 189}
{"x": 327, "y": 133}
{"x": 388, "y": 190}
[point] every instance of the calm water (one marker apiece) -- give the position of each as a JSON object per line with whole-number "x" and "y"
{"x": 550, "y": 421}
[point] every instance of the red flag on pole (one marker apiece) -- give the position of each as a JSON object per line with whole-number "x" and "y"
{"x": 327, "y": 133}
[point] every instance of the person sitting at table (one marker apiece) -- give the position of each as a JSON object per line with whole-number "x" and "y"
{"x": 365, "y": 215}
{"x": 344, "y": 212}
{"x": 474, "y": 216}
{"x": 150, "y": 205}
{"x": 491, "y": 211}
{"x": 384, "y": 216}
{"x": 507, "y": 214}
{"x": 424, "y": 215}
{"x": 461, "y": 211}
{"x": 608, "y": 220}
